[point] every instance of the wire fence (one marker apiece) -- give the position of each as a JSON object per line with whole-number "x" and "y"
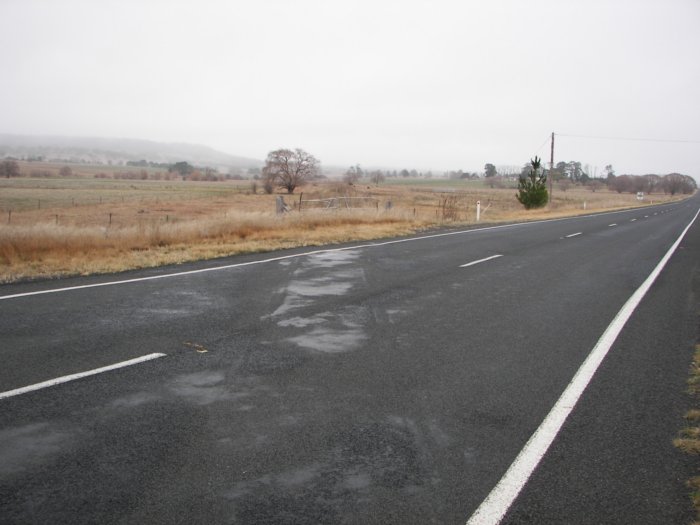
{"x": 337, "y": 203}
{"x": 102, "y": 219}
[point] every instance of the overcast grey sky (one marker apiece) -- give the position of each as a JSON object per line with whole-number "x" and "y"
{"x": 417, "y": 84}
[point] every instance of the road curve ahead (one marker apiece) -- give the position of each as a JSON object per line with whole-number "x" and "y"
{"x": 394, "y": 381}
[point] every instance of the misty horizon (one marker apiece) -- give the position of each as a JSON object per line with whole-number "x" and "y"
{"x": 445, "y": 86}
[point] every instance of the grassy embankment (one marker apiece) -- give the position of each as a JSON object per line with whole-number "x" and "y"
{"x": 80, "y": 225}
{"x": 689, "y": 438}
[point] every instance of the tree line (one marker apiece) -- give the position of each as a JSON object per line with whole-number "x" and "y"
{"x": 567, "y": 174}
{"x": 673, "y": 183}
{"x": 158, "y": 171}
{"x": 288, "y": 169}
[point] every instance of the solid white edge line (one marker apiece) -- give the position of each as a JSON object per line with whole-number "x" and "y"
{"x": 79, "y": 375}
{"x": 574, "y": 234}
{"x": 480, "y": 261}
{"x": 296, "y": 255}
{"x": 494, "y": 507}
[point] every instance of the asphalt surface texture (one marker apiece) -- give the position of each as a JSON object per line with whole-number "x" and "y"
{"x": 382, "y": 382}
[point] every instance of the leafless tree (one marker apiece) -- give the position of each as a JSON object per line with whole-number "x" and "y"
{"x": 288, "y": 169}
{"x": 595, "y": 185}
{"x": 9, "y": 168}
{"x": 653, "y": 183}
{"x": 353, "y": 175}
{"x": 676, "y": 183}
{"x": 377, "y": 177}
{"x": 672, "y": 183}
{"x": 622, "y": 183}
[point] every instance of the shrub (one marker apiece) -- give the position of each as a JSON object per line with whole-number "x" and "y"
{"x": 532, "y": 188}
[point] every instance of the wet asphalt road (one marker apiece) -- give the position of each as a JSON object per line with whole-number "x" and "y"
{"x": 380, "y": 383}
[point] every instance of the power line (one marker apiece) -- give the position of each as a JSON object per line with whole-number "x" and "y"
{"x": 629, "y": 139}
{"x": 543, "y": 144}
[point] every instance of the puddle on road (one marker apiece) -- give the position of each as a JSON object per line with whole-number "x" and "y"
{"x": 355, "y": 463}
{"x": 302, "y": 322}
{"x": 204, "y": 388}
{"x": 333, "y": 259}
{"x": 330, "y": 332}
{"x": 29, "y": 445}
{"x": 134, "y": 400}
{"x": 323, "y": 275}
{"x": 330, "y": 341}
{"x": 318, "y": 287}
{"x": 395, "y": 314}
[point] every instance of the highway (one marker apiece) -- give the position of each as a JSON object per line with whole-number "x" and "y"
{"x": 384, "y": 382}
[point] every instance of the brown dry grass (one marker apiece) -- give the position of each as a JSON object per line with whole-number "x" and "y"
{"x": 689, "y": 437}
{"x": 54, "y": 227}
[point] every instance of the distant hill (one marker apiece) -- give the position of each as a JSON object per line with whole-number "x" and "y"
{"x": 104, "y": 150}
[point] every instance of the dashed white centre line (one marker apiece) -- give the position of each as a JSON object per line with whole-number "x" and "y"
{"x": 632, "y": 220}
{"x": 79, "y": 375}
{"x": 574, "y": 234}
{"x": 611, "y": 225}
{"x": 480, "y": 261}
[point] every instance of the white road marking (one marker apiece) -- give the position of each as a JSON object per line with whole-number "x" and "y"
{"x": 480, "y": 261}
{"x": 574, "y": 234}
{"x": 632, "y": 220}
{"x": 494, "y": 507}
{"x": 646, "y": 216}
{"x": 272, "y": 259}
{"x": 611, "y": 225}
{"x": 79, "y": 375}
{"x": 304, "y": 254}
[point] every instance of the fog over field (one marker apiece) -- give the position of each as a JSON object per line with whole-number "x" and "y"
{"x": 429, "y": 85}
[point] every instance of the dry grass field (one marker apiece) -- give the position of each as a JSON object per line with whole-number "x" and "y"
{"x": 55, "y": 226}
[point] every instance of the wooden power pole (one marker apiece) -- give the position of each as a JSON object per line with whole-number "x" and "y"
{"x": 551, "y": 170}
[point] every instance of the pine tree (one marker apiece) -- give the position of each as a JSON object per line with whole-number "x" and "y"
{"x": 532, "y": 188}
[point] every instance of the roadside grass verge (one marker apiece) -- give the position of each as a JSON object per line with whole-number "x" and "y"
{"x": 58, "y": 227}
{"x": 50, "y": 250}
{"x": 688, "y": 439}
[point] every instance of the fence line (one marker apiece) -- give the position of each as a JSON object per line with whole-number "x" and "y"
{"x": 335, "y": 203}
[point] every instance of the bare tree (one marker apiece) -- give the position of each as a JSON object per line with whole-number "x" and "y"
{"x": 676, "y": 183}
{"x": 672, "y": 183}
{"x": 653, "y": 183}
{"x": 9, "y": 168}
{"x": 377, "y": 177}
{"x": 289, "y": 169}
{"x": 621, "y": 183}
{"x": 353, "y": 175}
{"x": 595, "y": 185}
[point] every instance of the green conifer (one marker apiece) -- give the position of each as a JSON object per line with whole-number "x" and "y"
{"x": 532, "y": 188}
